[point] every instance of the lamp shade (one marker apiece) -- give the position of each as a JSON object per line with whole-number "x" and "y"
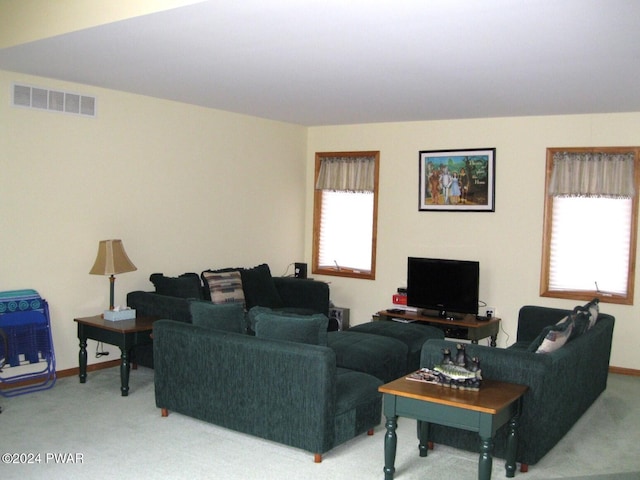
{"x": 111, "y": 259}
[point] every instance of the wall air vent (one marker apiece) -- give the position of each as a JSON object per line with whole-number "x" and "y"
{"x": 53, "y": 100}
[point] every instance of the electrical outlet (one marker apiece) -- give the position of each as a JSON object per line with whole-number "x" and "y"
{"x": 490, "y": 312}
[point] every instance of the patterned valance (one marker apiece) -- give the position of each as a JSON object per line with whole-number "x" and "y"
{"x": 609, "y": 175}
{"x": 346, "y": 174}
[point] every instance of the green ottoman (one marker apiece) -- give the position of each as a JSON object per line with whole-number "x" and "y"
{"x": 413, "y": 335}
{"x": 383, "y": 357}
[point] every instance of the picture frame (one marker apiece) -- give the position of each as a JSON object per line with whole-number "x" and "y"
{"x": 469, "y": 176}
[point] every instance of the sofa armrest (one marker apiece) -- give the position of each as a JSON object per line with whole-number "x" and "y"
{"x": 163, "y": 306}
{"x": 303, "y": 293}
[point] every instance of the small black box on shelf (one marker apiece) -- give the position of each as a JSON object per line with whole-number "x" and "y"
{"x": 300, "y": 270}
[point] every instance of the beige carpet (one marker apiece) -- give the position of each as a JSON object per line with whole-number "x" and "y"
{"x": 109, "y": 436}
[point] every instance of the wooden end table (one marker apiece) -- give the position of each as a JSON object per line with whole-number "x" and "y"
{"x": 483, "y": 411}
{"x": 125, "y": 334}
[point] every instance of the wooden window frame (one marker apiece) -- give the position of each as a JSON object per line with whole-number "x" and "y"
{"x": 548, "y": 219}
{"x": 317, "y": 214}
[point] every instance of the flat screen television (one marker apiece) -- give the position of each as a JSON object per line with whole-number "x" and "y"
{"x": 444, "y": 288}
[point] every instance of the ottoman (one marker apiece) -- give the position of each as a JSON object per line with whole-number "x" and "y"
{"x": 380, "y": 356}
{"x": 413, "y": 335}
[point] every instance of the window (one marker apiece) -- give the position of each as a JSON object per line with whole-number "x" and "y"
{"x": 590, "y": 223}
{"x": 345, "y": 214}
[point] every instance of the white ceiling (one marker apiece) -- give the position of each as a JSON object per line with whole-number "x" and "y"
{"x": 322, "y": 62}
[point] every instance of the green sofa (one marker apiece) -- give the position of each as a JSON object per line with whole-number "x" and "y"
{"x": 282, "y": 390}
{"x": 562, "y": 384}
{"x": 173, "y": 295}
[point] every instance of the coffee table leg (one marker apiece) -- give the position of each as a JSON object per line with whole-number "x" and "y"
{"x": 423, "y": 436}
{"x": 82, "y": 360}
{"x": 512, "y": 447}
{"x": 124, "y": 372}
{"x": 390, "y": 443}
{"x": 485, "y": 462}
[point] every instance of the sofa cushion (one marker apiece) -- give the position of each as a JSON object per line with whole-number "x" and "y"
{"x": 522, "y": 346}
{"x": 354, "y": 389}
{"x": 259, "y": 288}
{"x": 412, "y": 334}
{"x": 310, "y": 329}
{"x": 224, "y": 287}
{"x": 553, "y": 337}
{"x": 383, "y": 357}
{"x": 186, "y": 285}
{"x": 228, "y": 317}
{"x": 252, "y": 314}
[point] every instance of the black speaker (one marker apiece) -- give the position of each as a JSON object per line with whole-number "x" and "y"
{"x": 300, "y": 270}
{"x": 338, "y": 318}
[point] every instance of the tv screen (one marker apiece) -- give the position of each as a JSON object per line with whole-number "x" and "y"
{"x": 443, "y": 287}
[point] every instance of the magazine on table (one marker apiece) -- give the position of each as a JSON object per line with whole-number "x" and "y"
{"x": 424, "y": 375}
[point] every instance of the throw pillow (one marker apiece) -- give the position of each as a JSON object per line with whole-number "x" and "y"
{"x": 584, "y": 317}
{"x": 252, "y": 316}
{"x": 555, "y": 336}
{"x": 224, "y": 287}
{"x": 259, "y": 287}
{"x": 228, "y": 317}
{"x": 186, "y": 285}
{"x": 310, "y": 329}
{"x": 594, "y": 309}
{"x": 580, "y": 322}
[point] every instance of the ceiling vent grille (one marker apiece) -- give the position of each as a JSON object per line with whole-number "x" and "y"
{"x": 53, "y": 100}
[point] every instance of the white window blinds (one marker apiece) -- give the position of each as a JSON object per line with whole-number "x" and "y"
{"x": 590, "y": 244}
{"x": 346, "y": 226}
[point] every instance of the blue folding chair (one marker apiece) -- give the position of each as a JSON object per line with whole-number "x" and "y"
{"x": 5, "y": 345}
{"x": 27, "y": 359}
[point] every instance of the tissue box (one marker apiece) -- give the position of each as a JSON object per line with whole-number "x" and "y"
{"x": 115, "y": 315}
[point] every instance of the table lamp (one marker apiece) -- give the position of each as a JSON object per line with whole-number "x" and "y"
{"x": 111, "y": 260}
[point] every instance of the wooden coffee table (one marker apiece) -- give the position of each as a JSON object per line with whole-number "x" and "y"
{"x": 125, "y": 334}
{"x": 483, "y": 411}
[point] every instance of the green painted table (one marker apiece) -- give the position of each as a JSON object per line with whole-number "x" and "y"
{"x": 483, "y": 411}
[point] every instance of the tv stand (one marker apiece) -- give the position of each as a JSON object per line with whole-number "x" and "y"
{"x": 464, "y": 328}
{"x": 443, "y": 314}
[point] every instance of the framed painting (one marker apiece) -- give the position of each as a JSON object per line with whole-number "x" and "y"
{"x": 457, "y": 180}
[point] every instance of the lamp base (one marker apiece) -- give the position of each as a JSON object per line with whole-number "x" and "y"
{"x": 117, "y": 315}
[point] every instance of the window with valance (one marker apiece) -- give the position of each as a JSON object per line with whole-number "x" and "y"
{"x": 345, "y": 214}
{"x": 590, "y": 223}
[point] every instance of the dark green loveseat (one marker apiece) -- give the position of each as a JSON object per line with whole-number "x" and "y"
{"x": 562, "y": 384}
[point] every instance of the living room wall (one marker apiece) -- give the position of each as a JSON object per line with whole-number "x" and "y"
{"x": 186, "y": 188}
{"x": 508, "y": 242}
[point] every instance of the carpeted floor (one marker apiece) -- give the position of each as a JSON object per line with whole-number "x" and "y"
{"x": 78, "y": 431}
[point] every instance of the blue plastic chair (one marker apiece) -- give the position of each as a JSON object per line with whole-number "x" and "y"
{"x": 27, "y": 359}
